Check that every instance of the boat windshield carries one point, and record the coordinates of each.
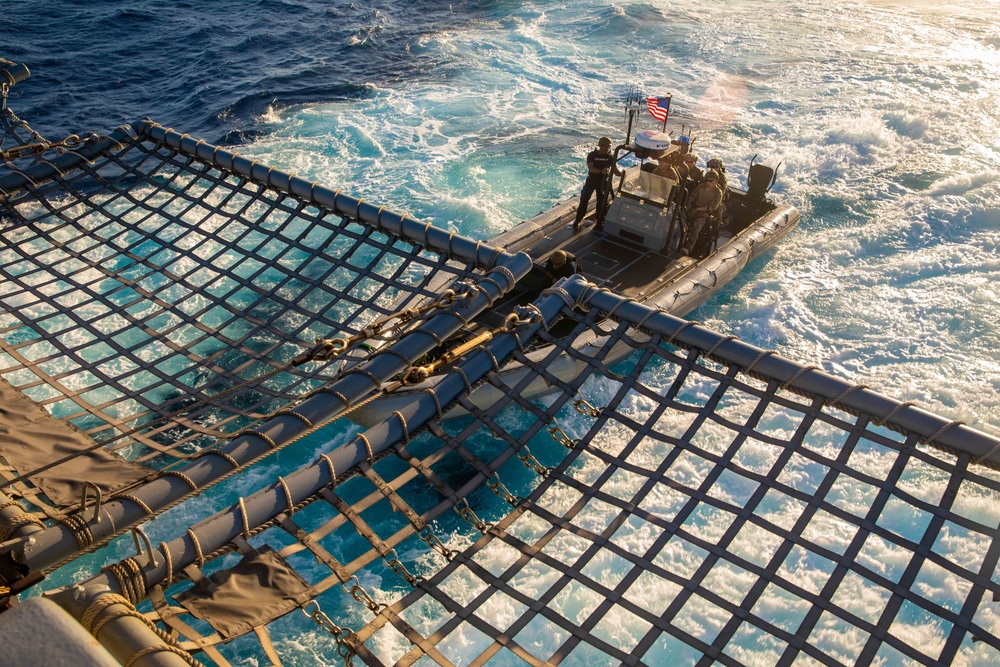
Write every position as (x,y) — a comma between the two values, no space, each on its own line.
(649,186)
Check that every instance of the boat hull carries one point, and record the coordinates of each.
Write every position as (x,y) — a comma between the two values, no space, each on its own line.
(678,297)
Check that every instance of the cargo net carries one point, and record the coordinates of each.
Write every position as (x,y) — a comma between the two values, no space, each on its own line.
(155,302)
(664,507)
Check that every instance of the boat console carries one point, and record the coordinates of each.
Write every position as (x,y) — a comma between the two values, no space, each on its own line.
(643,211)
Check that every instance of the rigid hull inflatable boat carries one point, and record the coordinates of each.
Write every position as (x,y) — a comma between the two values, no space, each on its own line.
(631,243)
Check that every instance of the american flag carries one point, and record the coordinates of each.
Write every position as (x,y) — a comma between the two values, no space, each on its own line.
(658,107)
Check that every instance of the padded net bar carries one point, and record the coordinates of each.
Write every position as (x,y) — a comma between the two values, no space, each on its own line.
(673,506)
(156,289)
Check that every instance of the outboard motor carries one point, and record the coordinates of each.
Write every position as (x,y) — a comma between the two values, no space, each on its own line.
(760,180)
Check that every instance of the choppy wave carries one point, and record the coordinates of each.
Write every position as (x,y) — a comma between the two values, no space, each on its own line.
(883,115)
(881,119)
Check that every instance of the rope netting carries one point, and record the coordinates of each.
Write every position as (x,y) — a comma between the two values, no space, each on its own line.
(678,497)
(155,298)
(697,501)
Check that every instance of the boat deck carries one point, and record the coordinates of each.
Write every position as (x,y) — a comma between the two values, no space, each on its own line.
(612,262)
(609,261)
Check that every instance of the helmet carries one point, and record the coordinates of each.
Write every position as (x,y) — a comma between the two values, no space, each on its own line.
(690,157)
(604,142)
(558,258)
(714,163)
(711,175)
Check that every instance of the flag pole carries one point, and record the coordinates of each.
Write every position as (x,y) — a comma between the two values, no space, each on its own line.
(631,110)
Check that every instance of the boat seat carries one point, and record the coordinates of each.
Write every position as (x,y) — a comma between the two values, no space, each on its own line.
(760,179)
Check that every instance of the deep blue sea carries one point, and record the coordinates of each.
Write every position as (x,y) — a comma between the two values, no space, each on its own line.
(883,115)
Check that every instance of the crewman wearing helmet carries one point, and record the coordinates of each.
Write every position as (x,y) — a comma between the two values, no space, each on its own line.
(600,163)
(693,174)
(704,207)
(561,264)
(665,168)
(716,165)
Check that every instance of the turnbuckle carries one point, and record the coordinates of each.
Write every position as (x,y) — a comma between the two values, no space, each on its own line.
(329,348)
(71,142)
(510,324)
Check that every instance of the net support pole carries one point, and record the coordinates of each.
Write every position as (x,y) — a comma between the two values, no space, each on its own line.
(261,507)
(54,544)
(92,147)
(16,526)
(119,628)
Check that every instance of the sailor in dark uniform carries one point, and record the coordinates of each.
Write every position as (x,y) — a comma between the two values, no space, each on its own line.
(600,163)
(561,264)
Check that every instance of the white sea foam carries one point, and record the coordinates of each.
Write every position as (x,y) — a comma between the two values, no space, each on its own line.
(883,116)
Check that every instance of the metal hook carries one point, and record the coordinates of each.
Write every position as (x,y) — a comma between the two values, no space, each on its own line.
(98,500)
(138,532)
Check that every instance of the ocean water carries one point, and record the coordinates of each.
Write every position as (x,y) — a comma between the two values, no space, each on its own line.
(884,117)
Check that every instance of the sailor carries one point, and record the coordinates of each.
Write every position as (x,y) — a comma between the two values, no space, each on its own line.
(666,169)
(660,190)
(600,163)
(693,174)
(561,264)
(682,169)
(677,161)
(704,206)
(715,164)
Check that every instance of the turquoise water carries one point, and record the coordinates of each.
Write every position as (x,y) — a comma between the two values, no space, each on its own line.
(884,116)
